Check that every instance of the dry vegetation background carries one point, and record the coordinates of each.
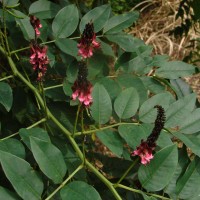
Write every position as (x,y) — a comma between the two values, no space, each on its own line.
(158,19)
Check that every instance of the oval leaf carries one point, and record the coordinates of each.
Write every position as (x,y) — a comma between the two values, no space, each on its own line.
(191,124)
(10,3)
(147,111)
(127,103)
(133,134)
(6,97)
(79,190)
(179,110)
(7,195)
(158,173)
(39,133)
(13,146)
(22,177)
(49,159)
(120,22)
(112,140)
(43,9)
(65,22)
(26,28)
(98,16)
(175,69)
(188,185)
(192,141)
(101,108)
(126,42)
(68,46)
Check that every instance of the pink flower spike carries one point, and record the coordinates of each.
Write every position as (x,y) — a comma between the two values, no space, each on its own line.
(88,42)
(144,152)
(35,22)
(39,60)
(82,92)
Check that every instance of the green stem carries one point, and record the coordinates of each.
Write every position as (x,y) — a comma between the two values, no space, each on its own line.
(103,128)
(62,128)
(25,48)
(2,39)
(64,183)
(87,164)
(52,87)
(5,31)
(140,192)
(43,96)
(82,124)
(76,120)
(126,172)
(18,50)
(7,77)
(52,41)
(29,127)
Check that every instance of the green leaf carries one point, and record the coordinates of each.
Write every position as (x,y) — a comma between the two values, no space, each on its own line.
(56,94)
(179,110)
(182,88)
(65,24)
(147,111)
(127,103)
(106,48)
(25,135)
(72,73)
(156,175)
(153,85)
(49,159)
(43,9)
(112,140)
(125,41)
(7,195)
(175,69)
(68,46)
(6,96)
(98,16)
(22,177)
(13,146)
(26,28)
(188,185)
(191,141)
(180,169)
(133,134)
(98,66)
(135,62)
(101,108)
(164,139)
(10,3)
(191,124)
(79,190)
(111,86)
(128,80)
(120,22)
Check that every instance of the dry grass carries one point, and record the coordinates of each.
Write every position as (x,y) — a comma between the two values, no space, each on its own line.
(156,22)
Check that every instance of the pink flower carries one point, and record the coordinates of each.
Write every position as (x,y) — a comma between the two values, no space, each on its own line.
(88,42)
(39,60)
(82,91)
(144,152)
(35,22)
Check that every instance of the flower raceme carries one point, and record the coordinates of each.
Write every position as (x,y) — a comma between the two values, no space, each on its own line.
(88,41)
(145,149)
(82,88)
(35,22)
(39,60)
